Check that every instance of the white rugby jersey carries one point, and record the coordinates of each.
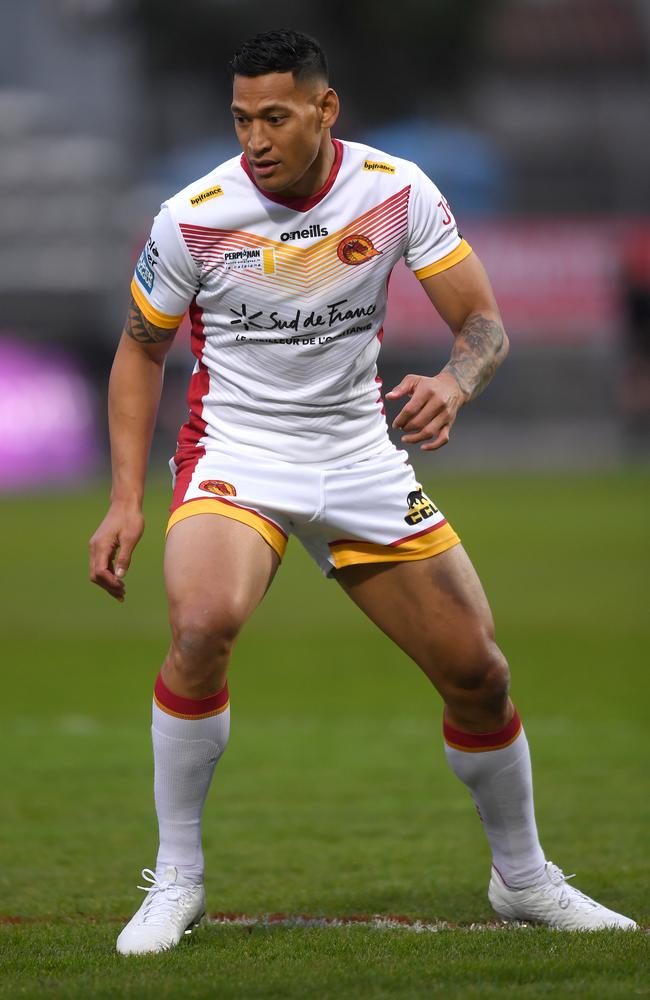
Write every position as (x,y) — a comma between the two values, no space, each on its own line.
(287,297)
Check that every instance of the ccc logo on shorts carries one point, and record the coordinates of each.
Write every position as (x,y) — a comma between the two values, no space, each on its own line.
(218,486)
(420,507)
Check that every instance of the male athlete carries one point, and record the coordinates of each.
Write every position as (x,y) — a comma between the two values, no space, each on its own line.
(282,256)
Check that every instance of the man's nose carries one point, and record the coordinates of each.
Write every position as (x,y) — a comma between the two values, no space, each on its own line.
(258,141)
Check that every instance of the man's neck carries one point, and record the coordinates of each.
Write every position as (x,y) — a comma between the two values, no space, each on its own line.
(315,177)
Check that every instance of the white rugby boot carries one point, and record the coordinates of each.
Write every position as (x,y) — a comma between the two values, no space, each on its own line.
(553,902)
(172,907)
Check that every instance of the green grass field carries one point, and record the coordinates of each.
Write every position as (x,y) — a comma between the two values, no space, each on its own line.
(334,797)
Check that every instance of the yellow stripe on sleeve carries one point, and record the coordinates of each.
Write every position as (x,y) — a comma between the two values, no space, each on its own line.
(457,254)
(160,319)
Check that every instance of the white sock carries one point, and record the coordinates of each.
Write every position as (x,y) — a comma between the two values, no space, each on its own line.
(497,771)
(189,736)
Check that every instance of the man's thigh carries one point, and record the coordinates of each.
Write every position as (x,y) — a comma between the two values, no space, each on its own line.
(217,570)
(435,609)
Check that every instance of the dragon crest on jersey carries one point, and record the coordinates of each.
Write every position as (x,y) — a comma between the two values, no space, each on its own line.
(420,506)
(218,486)
(356,249)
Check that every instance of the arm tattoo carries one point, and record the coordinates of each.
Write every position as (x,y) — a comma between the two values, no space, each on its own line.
(140,329)
(478,350)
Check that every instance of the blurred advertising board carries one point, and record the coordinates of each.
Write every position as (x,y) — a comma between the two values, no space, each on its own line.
(48,427)
(556,282)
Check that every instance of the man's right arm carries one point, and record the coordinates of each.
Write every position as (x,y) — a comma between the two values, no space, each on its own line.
(133,398)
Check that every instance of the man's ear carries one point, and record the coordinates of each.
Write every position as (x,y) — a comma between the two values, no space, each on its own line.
(329,108)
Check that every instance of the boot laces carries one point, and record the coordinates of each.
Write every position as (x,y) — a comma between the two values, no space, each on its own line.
(568,894)
(162,898)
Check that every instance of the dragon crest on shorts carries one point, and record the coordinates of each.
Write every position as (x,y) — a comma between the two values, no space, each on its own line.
(218,486)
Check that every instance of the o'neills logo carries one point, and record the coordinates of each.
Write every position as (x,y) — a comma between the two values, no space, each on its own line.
(213,192)
(356,249)
(218,486)
(305,234)
(376,165)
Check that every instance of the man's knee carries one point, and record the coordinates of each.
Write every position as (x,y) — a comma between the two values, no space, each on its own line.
(480,676)
(202,640)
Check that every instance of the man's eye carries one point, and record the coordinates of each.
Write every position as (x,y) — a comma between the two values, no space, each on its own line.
(275,119)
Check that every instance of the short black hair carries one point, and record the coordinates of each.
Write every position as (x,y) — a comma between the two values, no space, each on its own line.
(283,51)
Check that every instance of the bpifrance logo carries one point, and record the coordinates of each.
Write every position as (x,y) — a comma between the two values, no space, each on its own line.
(212,192)
(218,486)
(356,249)
(377,165)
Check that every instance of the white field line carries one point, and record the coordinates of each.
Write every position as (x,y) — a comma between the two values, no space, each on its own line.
(378,922)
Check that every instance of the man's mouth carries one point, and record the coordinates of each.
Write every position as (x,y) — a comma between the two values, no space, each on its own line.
(265,167)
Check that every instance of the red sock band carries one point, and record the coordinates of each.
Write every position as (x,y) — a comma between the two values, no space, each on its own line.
(481,742)
(189,708)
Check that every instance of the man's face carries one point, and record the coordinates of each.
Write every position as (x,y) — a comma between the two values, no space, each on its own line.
(280,124)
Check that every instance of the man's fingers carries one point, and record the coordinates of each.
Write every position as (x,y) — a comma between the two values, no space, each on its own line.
(102,573)
(110,583)
(424,435)
(101,552)
(430,409)
(403,388)
(127,545)
(435,429)
(419,398)
(105,578)
(439,442)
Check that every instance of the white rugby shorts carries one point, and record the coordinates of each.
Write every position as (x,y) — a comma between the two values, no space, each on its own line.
(371,511)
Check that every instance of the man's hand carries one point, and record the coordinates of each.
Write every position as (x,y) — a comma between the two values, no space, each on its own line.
(111,548)
(431,410)
(463,297)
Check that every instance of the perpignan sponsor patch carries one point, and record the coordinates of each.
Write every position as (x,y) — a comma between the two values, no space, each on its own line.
(250,258)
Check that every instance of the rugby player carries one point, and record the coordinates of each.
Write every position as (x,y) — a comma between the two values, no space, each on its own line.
(282,256)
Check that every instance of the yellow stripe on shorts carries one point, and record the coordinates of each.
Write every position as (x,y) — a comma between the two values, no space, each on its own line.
(271,534)
(420,546)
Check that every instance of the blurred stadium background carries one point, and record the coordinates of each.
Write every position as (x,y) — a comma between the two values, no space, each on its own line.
(531,115)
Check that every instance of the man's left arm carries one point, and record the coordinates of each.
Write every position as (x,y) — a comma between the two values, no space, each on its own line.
(463,296)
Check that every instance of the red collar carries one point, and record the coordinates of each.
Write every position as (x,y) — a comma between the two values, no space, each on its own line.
(301,204)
